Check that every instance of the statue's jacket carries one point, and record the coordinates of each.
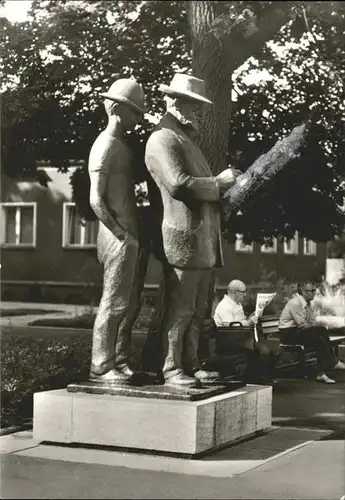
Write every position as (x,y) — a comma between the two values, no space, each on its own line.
(190,197)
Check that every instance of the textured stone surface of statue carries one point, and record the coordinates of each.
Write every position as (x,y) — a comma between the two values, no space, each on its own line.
(112,198)
(190,226)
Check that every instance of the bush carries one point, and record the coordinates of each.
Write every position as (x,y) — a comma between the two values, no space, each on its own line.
(330,300)
(269,282)
(30,365)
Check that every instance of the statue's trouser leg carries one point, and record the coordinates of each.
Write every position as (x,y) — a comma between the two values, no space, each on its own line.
(152,355)
(182,292)
(191,361)
(123,344)
(119,261)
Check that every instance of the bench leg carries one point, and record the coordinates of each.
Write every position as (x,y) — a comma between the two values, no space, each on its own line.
(302,369)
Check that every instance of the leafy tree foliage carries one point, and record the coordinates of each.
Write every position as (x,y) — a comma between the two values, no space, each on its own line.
(304,79)
(55,65)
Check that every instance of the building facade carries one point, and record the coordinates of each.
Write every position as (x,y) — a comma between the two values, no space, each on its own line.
(48,253)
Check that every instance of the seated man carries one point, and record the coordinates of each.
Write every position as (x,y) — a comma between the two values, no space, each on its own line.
(298,324)
(261,356)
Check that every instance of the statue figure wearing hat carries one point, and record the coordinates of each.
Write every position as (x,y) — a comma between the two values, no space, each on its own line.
(190,226)
(112,198)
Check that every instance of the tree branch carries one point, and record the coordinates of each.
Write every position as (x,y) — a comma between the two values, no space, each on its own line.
(246,35)
(264,169)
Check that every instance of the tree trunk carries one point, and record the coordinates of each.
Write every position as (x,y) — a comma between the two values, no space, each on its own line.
(211,64)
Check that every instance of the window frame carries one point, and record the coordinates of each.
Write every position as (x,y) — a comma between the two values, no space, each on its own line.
(73,246)
(270,250)
(249,249)
(18,205)
(296,250)
(313,253)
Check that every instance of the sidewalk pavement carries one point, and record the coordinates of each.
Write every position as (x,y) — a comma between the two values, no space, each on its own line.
(63,310)
(283,464)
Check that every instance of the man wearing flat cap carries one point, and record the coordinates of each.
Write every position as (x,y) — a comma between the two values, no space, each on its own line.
(112,198)
(190,226)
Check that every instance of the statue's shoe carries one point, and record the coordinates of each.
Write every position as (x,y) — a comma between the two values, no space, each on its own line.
(207,377)
(111,377)
(183,381)
(126,370)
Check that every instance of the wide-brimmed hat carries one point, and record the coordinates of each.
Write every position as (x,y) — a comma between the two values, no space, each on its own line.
(187,86)
(127,91)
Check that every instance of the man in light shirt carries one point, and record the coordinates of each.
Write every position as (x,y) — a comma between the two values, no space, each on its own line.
(230,308)
(298,324)
(261,356)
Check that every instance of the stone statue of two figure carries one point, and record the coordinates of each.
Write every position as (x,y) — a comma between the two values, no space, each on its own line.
(190,230)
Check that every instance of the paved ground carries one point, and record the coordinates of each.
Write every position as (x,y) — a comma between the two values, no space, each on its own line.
(307,403)
(310,469)
(64,310)
(42,305)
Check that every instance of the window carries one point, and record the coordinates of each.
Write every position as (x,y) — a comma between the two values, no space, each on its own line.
(242,247)
(77,233)
(270,249)
(291,246)
(18,224)
(309,247)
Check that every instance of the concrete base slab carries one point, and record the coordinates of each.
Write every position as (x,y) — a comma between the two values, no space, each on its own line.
(167,426)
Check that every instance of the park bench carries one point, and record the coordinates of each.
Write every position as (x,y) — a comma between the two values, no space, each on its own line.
(225,354)
(305,356)
(228,358)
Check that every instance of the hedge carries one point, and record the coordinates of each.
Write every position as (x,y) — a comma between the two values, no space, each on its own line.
(30,365)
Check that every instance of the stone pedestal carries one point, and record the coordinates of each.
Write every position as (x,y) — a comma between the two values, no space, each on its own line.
(158,391)
(168,426)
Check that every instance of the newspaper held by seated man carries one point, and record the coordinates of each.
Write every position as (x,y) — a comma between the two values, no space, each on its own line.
(262,301)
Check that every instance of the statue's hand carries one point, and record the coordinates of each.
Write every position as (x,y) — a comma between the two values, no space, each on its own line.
(131,240)
(253,319)
(237,172)
(226,179)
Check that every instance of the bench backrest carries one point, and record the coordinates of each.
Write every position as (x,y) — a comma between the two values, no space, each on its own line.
(269,324)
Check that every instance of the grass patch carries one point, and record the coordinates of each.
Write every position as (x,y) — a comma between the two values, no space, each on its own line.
(24,312)
(30,365)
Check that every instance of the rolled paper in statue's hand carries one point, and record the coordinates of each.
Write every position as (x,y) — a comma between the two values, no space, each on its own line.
(264,169)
